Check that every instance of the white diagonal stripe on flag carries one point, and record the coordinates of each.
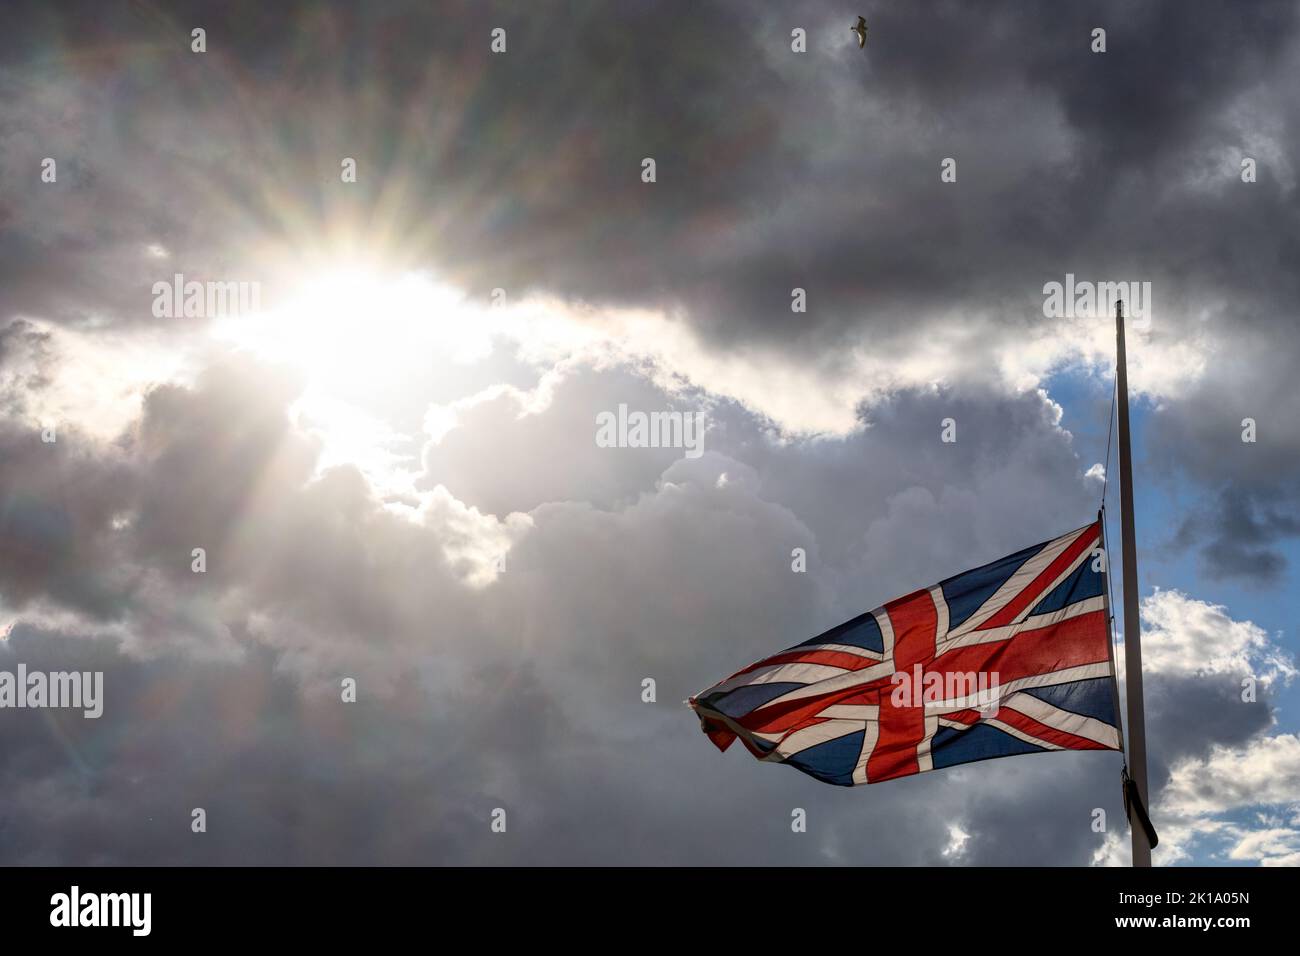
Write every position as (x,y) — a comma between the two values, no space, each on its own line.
(844,649)
(941,614)
(1070,569)
(842,682)
(1020,580)
(812,736)
(1064,720)
(851,711)
(868,745)
(924,760)
(886,632)
(801,673)
(1016,732)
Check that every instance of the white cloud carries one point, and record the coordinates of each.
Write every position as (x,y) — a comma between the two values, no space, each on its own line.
(1197,810)
(957,840)
(1272,847)
(1186,637)
(1264,772)
(95,379)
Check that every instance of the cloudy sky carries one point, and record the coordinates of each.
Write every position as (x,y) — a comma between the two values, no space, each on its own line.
(392,470)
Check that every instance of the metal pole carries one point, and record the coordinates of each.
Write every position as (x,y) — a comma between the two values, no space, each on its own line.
(1136,752)
(1110,618)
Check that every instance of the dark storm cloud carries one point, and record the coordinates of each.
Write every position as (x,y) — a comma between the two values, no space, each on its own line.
(775,170)
(1251,502)
(24,364)
(210,456)
(501,459)
(1220,719)
(1237,534)
(57,502)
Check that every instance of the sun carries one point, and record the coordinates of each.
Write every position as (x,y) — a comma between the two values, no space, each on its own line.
(365,346)
(350,329)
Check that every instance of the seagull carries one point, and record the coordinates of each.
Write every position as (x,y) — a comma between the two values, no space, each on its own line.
(861,30)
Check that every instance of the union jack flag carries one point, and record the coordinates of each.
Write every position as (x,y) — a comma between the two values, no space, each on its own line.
(1011,658)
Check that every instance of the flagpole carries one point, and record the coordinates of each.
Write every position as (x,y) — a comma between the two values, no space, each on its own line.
(1136,752)
(1110,614)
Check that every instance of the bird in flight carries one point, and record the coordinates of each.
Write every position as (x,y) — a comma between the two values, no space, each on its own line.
(860,28)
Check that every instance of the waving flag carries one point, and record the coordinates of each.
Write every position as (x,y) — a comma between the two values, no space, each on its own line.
(1011,658)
